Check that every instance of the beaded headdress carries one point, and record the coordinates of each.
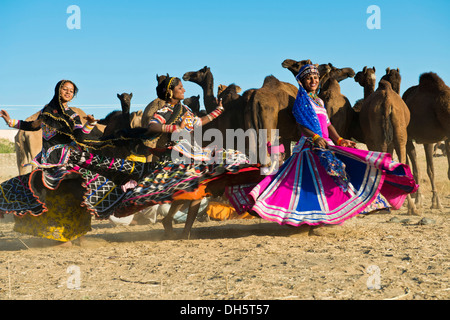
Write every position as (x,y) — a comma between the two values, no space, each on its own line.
(307,70)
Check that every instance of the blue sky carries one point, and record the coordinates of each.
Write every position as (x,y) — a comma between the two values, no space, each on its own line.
(122,45)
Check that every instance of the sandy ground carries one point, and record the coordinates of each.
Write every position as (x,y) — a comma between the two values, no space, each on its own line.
(377,256)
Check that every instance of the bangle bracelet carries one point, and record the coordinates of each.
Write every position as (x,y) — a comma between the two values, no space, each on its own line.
(315,137)
(339,141)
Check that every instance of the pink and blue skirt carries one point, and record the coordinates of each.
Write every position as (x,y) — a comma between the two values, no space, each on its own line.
(304,192)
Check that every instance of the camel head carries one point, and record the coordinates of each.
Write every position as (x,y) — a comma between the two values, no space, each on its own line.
(160,79)
(324,69)
(220,88)
(199,77)
(294,66)
(366,78)
(394,78)
(125,99)
(229,93)
(340,74)
(135,119)
(193,103)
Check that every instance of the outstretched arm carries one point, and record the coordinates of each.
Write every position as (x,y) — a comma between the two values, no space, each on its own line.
(34,125)
(213,115)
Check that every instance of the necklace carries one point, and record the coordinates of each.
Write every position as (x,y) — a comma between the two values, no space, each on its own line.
(315,98)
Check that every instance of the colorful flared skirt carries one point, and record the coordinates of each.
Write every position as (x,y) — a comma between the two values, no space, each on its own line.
(122,187)
(305,191)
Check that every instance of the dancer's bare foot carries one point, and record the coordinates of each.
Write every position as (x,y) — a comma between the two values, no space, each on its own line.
(168,228)
(65,244)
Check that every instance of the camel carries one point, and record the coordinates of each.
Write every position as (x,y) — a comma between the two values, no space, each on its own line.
(27,145)
(429,104)
(120,120)
(366,79)
(295,66)
(193,103)
(338,106)
(270,108)
(384,118)
(204,79)
(232,102)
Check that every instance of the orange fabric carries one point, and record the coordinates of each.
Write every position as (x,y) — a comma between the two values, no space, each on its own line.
(198,194)
(220,211)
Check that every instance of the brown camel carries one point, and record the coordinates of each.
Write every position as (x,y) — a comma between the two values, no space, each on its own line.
(27,145)
(270,108)
(193,103)
(429,104)
(338,106)
(294,66)
(367,79)
(232,102)
(204,79)
(384,118)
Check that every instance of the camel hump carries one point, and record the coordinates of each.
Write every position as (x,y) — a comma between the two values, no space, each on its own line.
(270,81)
(431,80)
(384,85)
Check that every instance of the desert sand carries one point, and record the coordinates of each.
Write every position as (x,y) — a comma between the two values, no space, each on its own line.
(375,256)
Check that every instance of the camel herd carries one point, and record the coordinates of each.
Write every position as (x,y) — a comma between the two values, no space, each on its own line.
(382,119)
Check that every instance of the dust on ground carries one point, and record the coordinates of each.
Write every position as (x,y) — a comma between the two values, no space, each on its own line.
(375,256)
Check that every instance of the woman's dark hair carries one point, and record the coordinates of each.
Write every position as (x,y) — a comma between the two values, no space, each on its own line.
(165,87)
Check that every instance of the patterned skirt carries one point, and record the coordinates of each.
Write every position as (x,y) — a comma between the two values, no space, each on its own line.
(52,213)
(105,186)
(305,191)
(122,187)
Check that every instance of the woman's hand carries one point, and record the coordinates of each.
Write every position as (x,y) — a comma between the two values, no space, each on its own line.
(347,143)
(90,118)
(4,114)
(321,142)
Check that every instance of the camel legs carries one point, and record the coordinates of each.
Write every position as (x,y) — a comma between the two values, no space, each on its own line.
(400,148)
(435,203)
(411,151)
(447,152)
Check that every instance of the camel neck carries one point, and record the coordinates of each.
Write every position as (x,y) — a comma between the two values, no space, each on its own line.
(368,90)
(208,93)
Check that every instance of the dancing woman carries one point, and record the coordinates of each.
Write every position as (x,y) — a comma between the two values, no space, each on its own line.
(28,196)
(184,172)
(327,180)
